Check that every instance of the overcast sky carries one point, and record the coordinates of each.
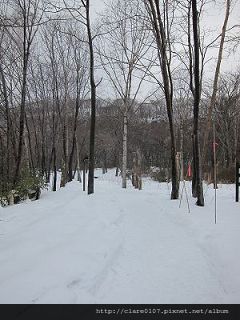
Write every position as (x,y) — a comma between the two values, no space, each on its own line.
(213,19)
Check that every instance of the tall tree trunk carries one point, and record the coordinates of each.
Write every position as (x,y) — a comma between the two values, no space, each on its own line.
(54,151)
(194,170)
(124,153)
(21,129)
(215,82)
(28,147)
(54,186)
(43,160)
(79,178)
(65,152)
(3,180)
(26,53)
(196,147)
(74,142)
(6,102)
(48,175)
(93,105)
(161,40)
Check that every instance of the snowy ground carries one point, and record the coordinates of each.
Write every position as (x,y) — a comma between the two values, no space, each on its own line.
(120,246)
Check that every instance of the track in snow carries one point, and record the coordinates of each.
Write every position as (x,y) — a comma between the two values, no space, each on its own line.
(116,246)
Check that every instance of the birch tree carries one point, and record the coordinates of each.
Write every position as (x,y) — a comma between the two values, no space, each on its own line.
(123,49)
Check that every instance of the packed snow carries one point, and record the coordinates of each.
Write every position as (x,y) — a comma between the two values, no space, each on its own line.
(121,246)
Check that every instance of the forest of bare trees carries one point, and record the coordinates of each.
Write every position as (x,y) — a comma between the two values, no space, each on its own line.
(128,89)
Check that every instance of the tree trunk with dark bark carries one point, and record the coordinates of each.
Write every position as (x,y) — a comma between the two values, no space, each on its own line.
(22,120)
(93,105)
(197,187)
(161,39)
(74,142)
(6,102)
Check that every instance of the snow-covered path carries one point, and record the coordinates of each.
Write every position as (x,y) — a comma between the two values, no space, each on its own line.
(120,246)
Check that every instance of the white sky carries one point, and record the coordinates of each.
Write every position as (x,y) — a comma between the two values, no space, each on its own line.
(213,19)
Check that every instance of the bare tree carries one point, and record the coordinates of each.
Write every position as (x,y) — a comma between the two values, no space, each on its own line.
(4,91)
(124,55)
(216,78)
(26,25)
(162,36)
(82,14)
(81,83)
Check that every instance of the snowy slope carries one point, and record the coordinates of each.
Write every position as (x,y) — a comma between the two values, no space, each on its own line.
(120,246)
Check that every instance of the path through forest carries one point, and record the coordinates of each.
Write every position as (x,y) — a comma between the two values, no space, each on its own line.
(120,246)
